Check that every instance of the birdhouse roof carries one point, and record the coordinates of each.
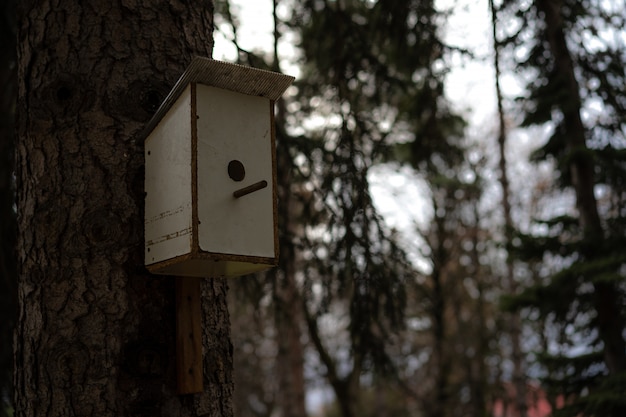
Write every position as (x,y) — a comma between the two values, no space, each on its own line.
(233,77)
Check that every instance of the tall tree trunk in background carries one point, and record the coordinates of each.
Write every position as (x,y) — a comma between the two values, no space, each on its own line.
(288,317)
(581,166)
(290,355)
(513,318)
(288,305)
(442,365)
(96,331)
(286,295)
(478,372)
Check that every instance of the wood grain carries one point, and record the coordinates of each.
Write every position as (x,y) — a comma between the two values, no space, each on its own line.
(188,335)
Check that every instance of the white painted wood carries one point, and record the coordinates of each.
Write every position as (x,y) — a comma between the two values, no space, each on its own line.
(234,126)
(168,184)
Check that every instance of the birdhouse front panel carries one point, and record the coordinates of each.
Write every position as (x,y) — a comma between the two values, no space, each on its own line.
(236,200)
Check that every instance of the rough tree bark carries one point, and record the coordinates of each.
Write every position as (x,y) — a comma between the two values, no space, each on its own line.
(7,214)
(96,332)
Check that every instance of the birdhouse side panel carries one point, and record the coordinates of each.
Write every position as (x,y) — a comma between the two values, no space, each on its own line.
(235,158)
(168,204)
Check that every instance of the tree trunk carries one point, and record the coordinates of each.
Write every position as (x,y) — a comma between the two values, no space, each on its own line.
(513,318)
(290,355)
(607,304)
(287,300)
(442,364)
(8,272)
(479,374)
(96,331)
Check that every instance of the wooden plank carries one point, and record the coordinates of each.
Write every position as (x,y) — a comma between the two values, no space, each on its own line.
(189,369)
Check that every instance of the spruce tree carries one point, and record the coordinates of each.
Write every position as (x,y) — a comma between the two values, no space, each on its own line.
(576,88)
(371,72)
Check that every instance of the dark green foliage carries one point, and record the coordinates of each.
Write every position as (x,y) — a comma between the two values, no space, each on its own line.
(579,80)
(381,400)
(383,57)
(567,300)
(573,375)
(360,60)
(607,399)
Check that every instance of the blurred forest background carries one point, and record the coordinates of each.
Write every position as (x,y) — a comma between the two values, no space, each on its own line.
(429,267)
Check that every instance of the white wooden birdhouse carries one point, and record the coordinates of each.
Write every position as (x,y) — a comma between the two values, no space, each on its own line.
(210,207)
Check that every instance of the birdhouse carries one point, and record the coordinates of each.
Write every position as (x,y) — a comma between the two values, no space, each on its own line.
(210,173)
